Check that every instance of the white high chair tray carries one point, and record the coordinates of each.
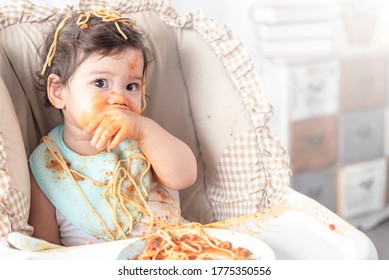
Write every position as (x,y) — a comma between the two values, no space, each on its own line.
(299,228)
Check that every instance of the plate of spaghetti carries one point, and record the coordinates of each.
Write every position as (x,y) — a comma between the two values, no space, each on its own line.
(197,243)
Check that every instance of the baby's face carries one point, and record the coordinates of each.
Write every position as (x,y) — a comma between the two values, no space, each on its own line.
(105,82)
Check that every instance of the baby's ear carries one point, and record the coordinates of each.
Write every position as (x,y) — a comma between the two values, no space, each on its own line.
(55,91)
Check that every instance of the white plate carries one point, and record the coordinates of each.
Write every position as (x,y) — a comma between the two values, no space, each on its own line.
(259,249)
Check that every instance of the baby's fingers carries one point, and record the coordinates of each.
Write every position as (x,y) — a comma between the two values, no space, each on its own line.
(104,132)
(119,137)
(107,135)
(92,126)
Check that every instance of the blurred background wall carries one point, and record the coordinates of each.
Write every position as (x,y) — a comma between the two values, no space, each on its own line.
(324,65)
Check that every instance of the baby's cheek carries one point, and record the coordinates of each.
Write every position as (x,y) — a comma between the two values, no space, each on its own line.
(86,118)
(90,111)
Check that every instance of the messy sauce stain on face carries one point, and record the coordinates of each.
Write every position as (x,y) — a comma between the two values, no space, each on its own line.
(98,105)
(133,65)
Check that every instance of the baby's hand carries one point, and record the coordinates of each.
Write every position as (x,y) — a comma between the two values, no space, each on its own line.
(113,125)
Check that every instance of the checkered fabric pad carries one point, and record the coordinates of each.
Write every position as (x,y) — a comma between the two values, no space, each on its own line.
(14,206)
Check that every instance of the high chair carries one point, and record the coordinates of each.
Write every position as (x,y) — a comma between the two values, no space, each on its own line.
(203,89)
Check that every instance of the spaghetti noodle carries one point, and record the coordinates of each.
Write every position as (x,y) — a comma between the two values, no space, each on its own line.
(113,195)
(82,22)
(165,244)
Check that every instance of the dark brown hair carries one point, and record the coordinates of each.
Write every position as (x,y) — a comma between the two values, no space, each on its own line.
(75,44)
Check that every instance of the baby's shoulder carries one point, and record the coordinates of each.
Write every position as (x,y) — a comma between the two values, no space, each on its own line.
(39,153)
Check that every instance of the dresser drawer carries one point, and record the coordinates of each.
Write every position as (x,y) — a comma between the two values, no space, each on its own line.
(364,82)
(314,89)
(361,136)
(361,188)
(313,143)
(319,185)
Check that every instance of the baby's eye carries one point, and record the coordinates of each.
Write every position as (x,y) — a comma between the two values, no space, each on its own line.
(132,87)
(101,83)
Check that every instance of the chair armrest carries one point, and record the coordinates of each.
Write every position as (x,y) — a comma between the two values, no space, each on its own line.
(301,228)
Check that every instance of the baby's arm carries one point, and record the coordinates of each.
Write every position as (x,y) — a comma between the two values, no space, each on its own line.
(42,215)
(172,160)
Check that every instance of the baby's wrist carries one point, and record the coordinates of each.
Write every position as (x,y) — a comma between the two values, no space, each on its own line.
(140,134)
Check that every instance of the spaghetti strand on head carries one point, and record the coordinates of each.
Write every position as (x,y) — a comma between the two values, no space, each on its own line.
(82,22)
(53,47)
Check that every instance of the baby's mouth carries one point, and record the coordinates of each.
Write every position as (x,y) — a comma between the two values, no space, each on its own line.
(119,106)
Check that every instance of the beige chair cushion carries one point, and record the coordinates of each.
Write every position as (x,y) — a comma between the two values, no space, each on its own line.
(15,192)
(203,89)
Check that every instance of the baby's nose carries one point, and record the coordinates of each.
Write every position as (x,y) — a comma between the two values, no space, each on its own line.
(117,98)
